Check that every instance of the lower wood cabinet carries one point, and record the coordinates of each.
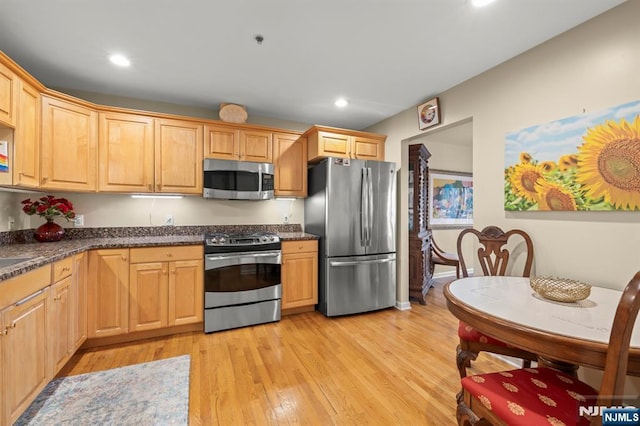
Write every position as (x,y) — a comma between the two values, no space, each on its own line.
(24,341)
(108,293)
(80,275)
(62,314)
(165,287)
(299,275)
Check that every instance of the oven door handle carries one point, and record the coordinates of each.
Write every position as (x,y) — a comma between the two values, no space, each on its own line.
(221,260)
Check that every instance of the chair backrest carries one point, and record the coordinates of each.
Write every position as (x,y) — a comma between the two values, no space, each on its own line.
(616,363)
(493,252)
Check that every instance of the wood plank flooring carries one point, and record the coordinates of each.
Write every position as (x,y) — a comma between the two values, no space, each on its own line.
(382,368)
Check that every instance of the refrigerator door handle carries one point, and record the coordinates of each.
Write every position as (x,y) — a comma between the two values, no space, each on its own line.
(370,210)
(360,262)
(363,208)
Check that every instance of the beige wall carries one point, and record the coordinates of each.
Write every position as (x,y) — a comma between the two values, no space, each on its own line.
(591,67)
(121,210)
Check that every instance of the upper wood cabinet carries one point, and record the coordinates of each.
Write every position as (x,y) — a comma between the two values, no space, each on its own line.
(332,142)
(26,140)
(234,143)
(125,153)
(69,142)
(290,161)
(8,96)
(178,156)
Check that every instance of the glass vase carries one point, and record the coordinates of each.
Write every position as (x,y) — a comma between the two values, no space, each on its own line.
(48,232)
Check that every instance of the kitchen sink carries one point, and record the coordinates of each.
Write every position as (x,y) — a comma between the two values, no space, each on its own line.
(8,261)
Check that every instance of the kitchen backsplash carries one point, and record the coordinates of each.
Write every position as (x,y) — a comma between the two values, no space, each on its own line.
(120,210)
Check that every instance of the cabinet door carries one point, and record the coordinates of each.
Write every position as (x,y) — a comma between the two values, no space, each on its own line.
(222,142)
(186,292)
(256,145)
(367,148)
(299,274)
(108,293)
(290,161)
(334,145)
(69,141)
(25,365)
(148,296)
(26,162)
(8,99)
(178,156)
(125,153)
(62,317)
(80,271)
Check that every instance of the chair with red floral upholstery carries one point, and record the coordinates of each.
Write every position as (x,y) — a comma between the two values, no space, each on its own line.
(497,251)
(537,396)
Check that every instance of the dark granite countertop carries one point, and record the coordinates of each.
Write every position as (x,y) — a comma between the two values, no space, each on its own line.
(45,253)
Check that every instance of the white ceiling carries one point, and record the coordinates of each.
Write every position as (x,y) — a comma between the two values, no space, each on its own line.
(384,56)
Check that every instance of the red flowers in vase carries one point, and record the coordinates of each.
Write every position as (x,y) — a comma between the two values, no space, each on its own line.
(49,207)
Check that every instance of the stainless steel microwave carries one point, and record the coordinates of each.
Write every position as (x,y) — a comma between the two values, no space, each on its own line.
(237,180)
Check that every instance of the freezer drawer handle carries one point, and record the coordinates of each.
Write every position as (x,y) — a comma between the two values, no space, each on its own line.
(361,262)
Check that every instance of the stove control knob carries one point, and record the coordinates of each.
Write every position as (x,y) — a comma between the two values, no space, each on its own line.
(222,240)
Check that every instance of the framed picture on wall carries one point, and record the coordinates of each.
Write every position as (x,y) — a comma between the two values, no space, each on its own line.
(428,114)
(450,199)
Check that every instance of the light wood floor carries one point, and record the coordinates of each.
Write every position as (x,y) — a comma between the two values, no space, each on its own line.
(383,368)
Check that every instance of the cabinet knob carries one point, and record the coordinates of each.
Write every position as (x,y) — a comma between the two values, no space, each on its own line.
(57,298)
(66,268)
(44,180)
(124,258)
(4,332)
(169,255)
(150,187)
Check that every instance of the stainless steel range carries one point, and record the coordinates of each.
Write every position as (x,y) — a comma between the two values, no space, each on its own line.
(241,280)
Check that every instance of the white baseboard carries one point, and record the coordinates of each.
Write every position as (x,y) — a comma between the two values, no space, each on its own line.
(447,274)
(403,306)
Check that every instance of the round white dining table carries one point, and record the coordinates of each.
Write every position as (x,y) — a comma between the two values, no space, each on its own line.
(562,334)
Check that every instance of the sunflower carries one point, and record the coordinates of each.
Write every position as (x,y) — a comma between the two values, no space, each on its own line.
(525,157)
(548,166)
(554,196)
(524,179)
(567,161)
(609,163)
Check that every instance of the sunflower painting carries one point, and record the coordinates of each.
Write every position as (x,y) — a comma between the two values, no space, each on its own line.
(586,162)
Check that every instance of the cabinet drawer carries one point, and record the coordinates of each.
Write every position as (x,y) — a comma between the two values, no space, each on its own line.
(165,254)
(62,269)
(17,288)
(299,246)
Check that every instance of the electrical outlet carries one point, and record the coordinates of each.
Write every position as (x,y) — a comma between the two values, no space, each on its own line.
(286,219)
(168,220)
(12,222)
(78,220)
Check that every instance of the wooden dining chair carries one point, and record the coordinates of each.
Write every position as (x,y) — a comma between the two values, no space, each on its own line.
(494,257)
(441,257)
(537,396)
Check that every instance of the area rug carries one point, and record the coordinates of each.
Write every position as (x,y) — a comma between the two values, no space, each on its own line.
(152,393)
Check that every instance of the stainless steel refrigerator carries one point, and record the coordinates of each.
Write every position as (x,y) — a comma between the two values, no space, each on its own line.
(351,205)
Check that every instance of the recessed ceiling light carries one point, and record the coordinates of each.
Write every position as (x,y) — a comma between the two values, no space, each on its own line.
(481,3)
(341,103)
(120,60)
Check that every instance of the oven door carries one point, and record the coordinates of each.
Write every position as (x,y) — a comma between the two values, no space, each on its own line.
(240,278)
